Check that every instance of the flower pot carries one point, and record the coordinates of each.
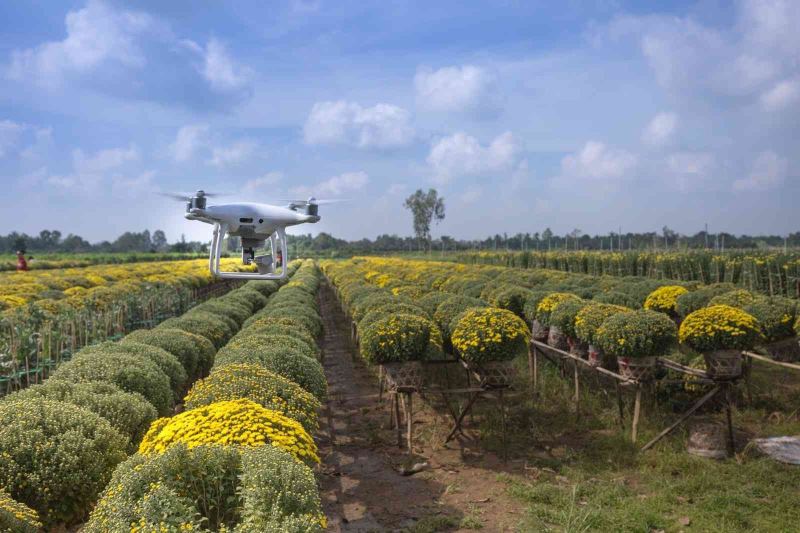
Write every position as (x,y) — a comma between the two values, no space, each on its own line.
(708,439)
(786,350)
(407,375)
(723,364)
(637,368)
(539,332)
(557,339)
(494,373)
(594,355)
(578,348)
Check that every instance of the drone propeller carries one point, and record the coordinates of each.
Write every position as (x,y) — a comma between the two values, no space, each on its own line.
(183,197)
(314,201)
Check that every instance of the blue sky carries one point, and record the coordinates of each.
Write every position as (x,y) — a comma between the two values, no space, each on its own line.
(579,114)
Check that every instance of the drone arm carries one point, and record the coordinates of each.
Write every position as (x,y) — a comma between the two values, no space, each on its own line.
(216,249)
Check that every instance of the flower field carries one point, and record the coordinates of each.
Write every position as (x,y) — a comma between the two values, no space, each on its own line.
(49,261)
(237,459)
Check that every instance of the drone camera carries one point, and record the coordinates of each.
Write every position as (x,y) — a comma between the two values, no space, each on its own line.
(312,209)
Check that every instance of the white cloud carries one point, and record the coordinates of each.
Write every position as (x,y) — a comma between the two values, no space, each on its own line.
(90,171)
(782,95)
(397,188)
(233,154)
(461,154)
(95,34)
(267,181)
(10,133)
(188,140)
(596,161)
(769,171)
(218,68)
(690,169)
(341,122)
(464,88)
(334,186)
(660,129)
(471,194)
(125,187)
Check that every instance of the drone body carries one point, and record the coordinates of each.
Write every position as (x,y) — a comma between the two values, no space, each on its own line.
(255,224)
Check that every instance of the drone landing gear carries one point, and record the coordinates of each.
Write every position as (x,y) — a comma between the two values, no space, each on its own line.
(264,263)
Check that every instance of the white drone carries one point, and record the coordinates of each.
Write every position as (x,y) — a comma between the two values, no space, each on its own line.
(255,224)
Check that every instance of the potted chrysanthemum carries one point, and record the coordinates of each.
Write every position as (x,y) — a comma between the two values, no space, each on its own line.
(636,339)
(555,337)
(720,333)
(398,343)
(664,300)
(563,317)
(588,321)
(488,339)
(776,318)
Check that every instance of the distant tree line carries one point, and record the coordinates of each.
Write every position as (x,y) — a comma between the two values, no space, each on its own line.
(130,241)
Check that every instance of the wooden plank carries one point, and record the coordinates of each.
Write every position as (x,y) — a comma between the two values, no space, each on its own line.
(771,361)
(683,417)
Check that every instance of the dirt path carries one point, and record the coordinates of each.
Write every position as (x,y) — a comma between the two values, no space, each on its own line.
(362,488)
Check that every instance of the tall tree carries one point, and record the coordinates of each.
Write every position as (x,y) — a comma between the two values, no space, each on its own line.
(425,207)
(159,241)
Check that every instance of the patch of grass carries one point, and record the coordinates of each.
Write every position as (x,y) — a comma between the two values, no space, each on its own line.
(434,523)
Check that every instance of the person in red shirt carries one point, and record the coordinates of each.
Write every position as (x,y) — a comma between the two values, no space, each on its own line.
(22,265)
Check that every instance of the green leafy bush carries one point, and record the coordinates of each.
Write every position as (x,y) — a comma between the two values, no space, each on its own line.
(532,303)
(395,338)
(294,330)
(230,308)
(694,300)
(563,316)
(128,412)
(309,317)
(56,457)
(291,323)
(194,352)
(246,297)
(291,364)
(256,383)
(16,517)
(591,317)
(719,327)
(641,333)
(389,309)
(617,298)
(211,488)
(431,301)
(511,297)
(375,300)
(281,341)
(451,309)
(490,334)
(129,372)
(265,287)
(548,304)
(206,325)
(231,324)
(167,362)
(738,298)
(775,317)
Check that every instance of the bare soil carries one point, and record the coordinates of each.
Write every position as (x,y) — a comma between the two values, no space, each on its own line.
(362,486)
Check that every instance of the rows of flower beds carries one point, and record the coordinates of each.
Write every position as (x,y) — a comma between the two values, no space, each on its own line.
(60,260)
(236,458)
(622,323)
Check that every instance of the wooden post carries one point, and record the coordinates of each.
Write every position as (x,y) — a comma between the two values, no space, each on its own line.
(637,408)
(731,442)
(503,424)
(620,405)
(397,401)
(532,367)
(683,417)
(410,423)
(577,397)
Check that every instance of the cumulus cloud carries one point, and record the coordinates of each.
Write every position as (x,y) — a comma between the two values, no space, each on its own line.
(96,34)
(89,171)
(267,181)
(769,171)
(456,88)
(218,68)
(131,187)
(782,95)
(348,123)
(233,154)
(10,133)
(690,169)
(596,161)
(660,129)
(334,186)
(461,154)
(471,194)
(188,140)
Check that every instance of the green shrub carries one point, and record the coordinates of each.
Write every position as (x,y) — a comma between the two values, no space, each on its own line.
(431,301)
(719,327)
(395,338)
(532,302)
(563,316)
(308,316)
(389,309)
(548,304)
(365,305)
(663,299)
(291,364)
(293,323)
(230,308)
(293,294)
(450,309)
(129,372)
(694,300)
(194,352)
(250,299)
(56,457)
(591,317)
(490,334)
(641,333)
(127,412)
(206,325)
(256,383)
(775,317)
(230,323)
(617,298)
(511,297)
(17,517)
(265,287)
(738,298)
(167,362)
(294,330)
(213,488)
(281,342)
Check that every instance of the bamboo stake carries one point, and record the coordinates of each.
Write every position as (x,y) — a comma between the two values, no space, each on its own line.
(637,407)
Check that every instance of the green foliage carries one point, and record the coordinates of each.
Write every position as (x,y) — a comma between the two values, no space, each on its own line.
(270,327)
(129,372)
(563,316)
(548,304)
(490,334)
(738,298)
(274,341)
(694,300)
(591,317)
(395,338)
(617,298)
(291,364)
(776,317)
(641,333)
(129,413)
(16,517)
(211,488)
(56,457)
(431,301)
(207,325)
(451,309)
(719,327)
(265,287)
(385,310)
(194,352)
(309,317)
(532,303)
(229,308)
(511,297)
